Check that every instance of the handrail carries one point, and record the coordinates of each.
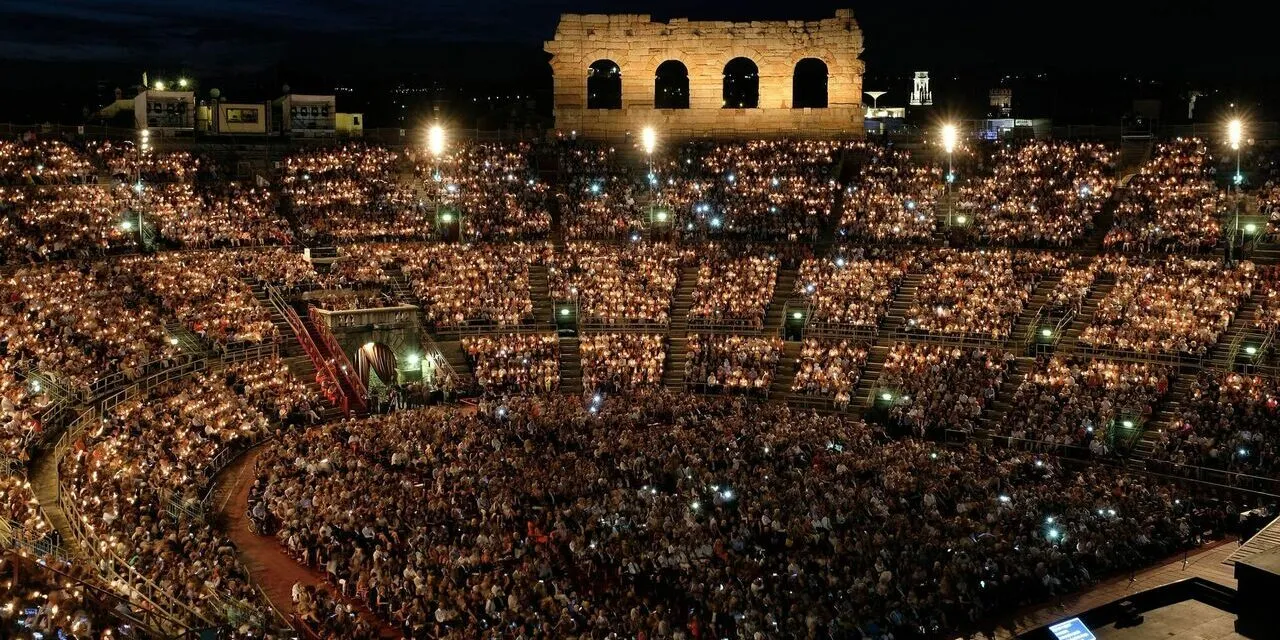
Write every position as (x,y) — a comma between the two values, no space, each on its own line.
(322,364)
(1232,479)
(344,364)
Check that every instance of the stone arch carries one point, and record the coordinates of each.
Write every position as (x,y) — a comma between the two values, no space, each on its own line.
(671,85)
(604,85)
(741,85)
(809,84)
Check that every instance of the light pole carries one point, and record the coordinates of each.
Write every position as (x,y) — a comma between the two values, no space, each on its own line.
(1235,133)
(435,144)
(649,140)
(949,143)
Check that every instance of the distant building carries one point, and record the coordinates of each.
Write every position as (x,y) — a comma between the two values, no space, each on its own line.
(308,116)
(165,113)
(921,96)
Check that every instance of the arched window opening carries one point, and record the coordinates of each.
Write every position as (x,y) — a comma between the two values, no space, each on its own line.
(604,85)
(809,84)
(671,86)
(741,84)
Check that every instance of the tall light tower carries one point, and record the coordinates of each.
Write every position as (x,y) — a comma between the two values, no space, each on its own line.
(435,144)
(1235,134)
(649,140)
(949,143)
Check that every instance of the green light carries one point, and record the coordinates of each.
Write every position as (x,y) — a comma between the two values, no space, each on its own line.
(564,312)
(1251,350)
(1128,424)
(446,218)
(886,396)
(961,219)
(1048,333)
(662,216)
(797,315)
(1250,228)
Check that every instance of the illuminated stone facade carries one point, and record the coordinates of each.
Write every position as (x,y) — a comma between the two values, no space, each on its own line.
(638,45)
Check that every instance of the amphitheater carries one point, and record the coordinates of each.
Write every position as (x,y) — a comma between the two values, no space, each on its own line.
(561,389)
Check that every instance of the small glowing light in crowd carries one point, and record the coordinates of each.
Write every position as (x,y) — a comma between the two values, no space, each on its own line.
(911,205)
(839,262)
(732,178)
(886,396)
(1053,534)
(138,187)
(961,219)
(502,412)
(689,226)
(1048,333)
(159,85)
(446,217)
(1251,228)
(934,455)
(1177,501)
(951,176)
(595,188)
(775,182)
(173,340)
(564,311)
(662,216)
(1128,424)
(797,315)
(413,359)
(1111,512)
(35,386)
(1049,520)
(146,133)
(1004,498)
(183,82)
(696,505)
(1243,452)
(597,399)
(435,140)
(126,225)
(715,222)
(727,494)
(635,237)
(1039,463)
(1251,350)
(649,138)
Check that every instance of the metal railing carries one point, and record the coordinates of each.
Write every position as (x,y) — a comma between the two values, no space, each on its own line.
(1210,475)
(347,371)
(321,363)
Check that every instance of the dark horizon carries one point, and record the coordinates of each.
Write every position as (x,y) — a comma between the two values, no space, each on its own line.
(55,54)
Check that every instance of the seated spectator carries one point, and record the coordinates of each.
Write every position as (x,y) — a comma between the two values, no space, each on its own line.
(940,387)
(621,361)
(727,363)
(830,368)
(1171,204)
(617,284)
(515,362)
(734,289)
(851,290)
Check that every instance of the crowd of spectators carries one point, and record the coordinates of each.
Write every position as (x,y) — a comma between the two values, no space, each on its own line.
(1043,193)
(205,291)
(930,387)
(1084,402)
(619,362)
(1069,294)
(1172,204)
(601,199)
(132,477)
(494,187)
(1227,421)
(352,193)
(830,369)
(515,362)
(893,196)
(46,597)
(853,290)
(977,292)
(1178,305)
(721,363)
(674,516)
(734,288)
(633,282)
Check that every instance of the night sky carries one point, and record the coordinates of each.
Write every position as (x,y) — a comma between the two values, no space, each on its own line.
(279,39)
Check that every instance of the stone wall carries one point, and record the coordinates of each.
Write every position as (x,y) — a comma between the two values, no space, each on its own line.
(638,45)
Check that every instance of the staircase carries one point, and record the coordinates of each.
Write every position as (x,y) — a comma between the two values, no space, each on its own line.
(896,318)
(1164,416)
(683,301)
(288,347)
(1039,296)
(456,356)
(1265,540)
(1070,338)
(540,294)
(776,313)
(995,412)
(785,373)
(570,366)
(870,375)
(400,285)
(357,398)
(1239,336)
(677,357)
(304,370)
